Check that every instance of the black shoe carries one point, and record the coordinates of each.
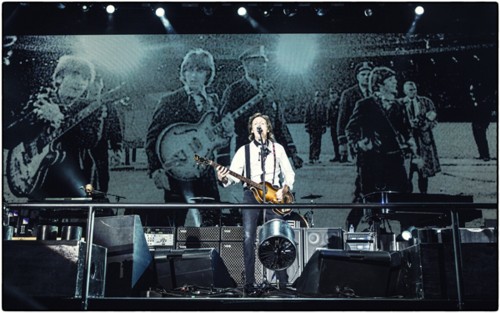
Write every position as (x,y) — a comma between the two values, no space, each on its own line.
(311,161)
(335,159)
(343,159)
(250,289)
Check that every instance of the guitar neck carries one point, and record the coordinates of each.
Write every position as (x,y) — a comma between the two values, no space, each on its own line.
(236,175)
(80,116)
(242,109)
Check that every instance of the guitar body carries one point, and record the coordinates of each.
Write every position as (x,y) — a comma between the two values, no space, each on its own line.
(258,193)
(256,189)
(177,143)
(26,170)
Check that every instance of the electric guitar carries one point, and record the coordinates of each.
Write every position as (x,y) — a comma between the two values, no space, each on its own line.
(256,188)
(178,142)
(28,162)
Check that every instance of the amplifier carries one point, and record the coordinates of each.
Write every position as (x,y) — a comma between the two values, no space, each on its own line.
(232,233)
(198,233)
(362,241)
(198,245)
(159,236)
(469,235)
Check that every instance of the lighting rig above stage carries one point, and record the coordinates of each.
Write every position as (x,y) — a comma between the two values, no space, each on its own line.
(73,18)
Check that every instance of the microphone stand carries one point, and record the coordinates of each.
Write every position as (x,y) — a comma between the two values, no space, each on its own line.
(263,156)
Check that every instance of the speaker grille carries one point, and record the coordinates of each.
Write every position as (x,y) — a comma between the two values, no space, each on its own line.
(196,245)
(331,238)
(231,253)
(232,233)
(198,233)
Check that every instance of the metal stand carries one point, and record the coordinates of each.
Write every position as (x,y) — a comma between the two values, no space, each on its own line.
(88,257)
(263,156)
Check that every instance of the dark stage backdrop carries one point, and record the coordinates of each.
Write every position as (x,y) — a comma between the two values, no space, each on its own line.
(146,67)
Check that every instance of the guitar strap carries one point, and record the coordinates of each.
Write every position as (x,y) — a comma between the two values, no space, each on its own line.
(247,161)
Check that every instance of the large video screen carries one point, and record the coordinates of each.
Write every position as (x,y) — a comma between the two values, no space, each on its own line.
(131,74)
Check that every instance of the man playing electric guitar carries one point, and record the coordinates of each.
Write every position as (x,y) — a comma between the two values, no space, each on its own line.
(262,160)
(188,104)
(58,126)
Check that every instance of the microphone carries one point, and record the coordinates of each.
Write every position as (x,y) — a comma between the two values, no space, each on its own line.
(259,129)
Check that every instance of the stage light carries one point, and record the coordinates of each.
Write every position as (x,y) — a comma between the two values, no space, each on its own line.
(61,6)
(419,10)
(86,7)
(160,12)
(110,9)
(368,12)
(476,58)
(242,11)
(320,11)
(407,233)
(208,10)
(290,12)
(266,12)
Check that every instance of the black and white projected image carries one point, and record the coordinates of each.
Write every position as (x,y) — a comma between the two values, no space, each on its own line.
(83,109)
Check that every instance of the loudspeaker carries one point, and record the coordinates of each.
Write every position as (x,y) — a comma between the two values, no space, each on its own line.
(198,233)
(198,267)
(297,266)
(332,272)
(128,253)
(52,268)
(331,238)
(231,253)
(428,271)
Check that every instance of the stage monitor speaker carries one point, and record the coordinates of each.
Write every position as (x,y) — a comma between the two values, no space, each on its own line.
(196,267)
(428,271)
(330,238)
(297,266)
(231,253)
(51,268)
(333,272)
(129,257)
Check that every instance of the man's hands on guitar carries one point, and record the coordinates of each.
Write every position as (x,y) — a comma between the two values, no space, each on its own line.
(222,174)
(160,179)
(48,111)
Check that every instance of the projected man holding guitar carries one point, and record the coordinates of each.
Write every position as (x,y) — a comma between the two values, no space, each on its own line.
(261,160)
(58,126)
(182,125)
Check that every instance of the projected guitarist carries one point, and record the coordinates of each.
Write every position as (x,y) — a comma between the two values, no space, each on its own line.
(173,133)
(57,128)
(262,159)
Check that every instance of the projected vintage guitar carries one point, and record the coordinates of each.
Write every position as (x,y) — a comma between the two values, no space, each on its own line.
(256,188)
(28,162)
(178,142)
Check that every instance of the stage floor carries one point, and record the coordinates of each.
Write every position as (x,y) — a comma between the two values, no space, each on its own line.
(234,299)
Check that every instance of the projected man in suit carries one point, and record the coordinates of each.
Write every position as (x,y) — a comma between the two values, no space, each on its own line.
(254,86)
(188,104)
